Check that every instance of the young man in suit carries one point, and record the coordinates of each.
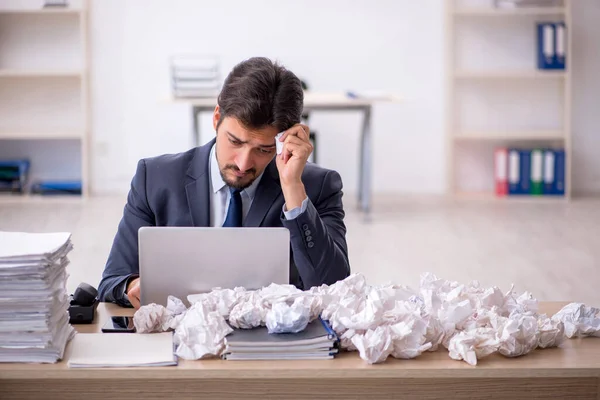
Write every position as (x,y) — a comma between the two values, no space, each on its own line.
(238,179)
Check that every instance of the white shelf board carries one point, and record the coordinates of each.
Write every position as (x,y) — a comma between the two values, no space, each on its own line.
(54,135)
(509,135)
(507,12)
(491,197)
(15,198)
(534,74)
(40,11)
(40,73)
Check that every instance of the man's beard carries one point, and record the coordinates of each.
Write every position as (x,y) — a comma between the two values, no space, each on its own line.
(238,183)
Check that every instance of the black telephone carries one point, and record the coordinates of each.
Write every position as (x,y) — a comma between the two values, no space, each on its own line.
(83,304)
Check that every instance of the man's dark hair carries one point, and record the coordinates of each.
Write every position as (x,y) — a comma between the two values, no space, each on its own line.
(259,93)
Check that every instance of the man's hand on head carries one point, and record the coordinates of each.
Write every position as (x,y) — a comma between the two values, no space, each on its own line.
(133,293)
(291,162)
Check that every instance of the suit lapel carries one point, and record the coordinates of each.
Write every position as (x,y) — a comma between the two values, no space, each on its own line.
(198,187)
(268,190)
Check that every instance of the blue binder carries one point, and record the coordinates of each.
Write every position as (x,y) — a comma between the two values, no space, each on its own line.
(546,45)
(559,172)
(519,181)
(525,172)
(560,32)
(57,187)
(549,175)
(514,171)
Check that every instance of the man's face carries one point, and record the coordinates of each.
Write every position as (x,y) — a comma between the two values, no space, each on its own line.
(242,153)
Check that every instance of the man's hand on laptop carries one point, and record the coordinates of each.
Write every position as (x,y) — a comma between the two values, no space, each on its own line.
(290,163)
(133,293)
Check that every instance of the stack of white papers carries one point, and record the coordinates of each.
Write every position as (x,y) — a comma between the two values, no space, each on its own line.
(99,350)
(34,305)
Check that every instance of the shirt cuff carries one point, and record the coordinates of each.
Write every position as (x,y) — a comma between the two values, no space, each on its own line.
(294,213)
(122,289)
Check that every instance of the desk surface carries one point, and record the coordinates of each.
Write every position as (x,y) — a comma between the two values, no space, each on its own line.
(569,372)
(311,100)
(575,357)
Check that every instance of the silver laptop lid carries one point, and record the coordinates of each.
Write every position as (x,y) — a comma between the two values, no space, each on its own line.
(180,261)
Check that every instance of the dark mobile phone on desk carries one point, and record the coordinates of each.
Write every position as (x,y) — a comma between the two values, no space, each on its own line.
(119,324)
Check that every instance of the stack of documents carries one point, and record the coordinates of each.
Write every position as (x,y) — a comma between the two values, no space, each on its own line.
(100,350)
(195,76)
(34,305)
(316,342)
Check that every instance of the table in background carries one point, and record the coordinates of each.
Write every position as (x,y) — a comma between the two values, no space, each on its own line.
(569,372)
(314,101)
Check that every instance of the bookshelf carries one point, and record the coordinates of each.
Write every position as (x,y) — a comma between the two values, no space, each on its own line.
(44,91)
(496,96)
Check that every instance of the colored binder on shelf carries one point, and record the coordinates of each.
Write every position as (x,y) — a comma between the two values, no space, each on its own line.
(501,171)
(13,175)
(548,179)
(525,172)
(561,50)
(559,172)
(57,187)
(536,172)
(514,170)
(546,57)
(519,172)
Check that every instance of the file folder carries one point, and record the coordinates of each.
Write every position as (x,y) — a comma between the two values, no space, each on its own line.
(546,45)
(519,172)
(501,171)
(549,174)
(525,172)
(57,187)
(560,54)
(537,165)
(514,170)
(559,172)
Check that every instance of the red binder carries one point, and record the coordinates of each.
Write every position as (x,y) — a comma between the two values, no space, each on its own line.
(501,171)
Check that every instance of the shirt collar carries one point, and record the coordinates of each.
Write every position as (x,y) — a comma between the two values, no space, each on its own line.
(217,181)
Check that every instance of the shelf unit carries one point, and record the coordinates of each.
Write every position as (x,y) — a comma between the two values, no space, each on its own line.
(497,97)
(44,91)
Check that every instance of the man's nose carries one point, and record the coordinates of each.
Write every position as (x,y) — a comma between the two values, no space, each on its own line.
(244,160)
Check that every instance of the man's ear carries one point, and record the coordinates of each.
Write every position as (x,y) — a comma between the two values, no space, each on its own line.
(216,118)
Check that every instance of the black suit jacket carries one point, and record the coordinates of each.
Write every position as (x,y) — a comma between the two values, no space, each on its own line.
(174,190)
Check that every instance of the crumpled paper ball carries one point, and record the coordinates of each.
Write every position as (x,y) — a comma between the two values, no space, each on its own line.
(157,318)
(200,333)
(518,334)
(473,345)
(552,332)
(579,320)
(283,318)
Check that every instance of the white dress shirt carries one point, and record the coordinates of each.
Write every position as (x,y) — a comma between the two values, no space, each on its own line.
(220,196)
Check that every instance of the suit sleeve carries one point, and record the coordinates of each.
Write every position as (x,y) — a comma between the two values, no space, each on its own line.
(318,236)
(123,260)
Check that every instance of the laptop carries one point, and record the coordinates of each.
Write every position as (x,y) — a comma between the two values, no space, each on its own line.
(180,261)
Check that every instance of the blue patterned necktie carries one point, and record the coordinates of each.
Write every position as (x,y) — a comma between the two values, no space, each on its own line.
(234,211)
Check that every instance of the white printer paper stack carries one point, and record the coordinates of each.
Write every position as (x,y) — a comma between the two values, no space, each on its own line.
(34,317)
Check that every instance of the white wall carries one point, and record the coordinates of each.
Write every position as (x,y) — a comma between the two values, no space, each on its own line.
(336,45)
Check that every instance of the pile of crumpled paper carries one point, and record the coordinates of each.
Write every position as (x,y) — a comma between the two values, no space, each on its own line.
(470,321)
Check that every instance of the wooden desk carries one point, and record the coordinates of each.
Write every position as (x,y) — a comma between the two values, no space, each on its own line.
(315,101)
(569,372)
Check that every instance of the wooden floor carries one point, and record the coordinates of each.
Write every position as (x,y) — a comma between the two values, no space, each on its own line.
(551,249)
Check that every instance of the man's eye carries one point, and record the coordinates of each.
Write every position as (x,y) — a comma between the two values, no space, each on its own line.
(265,151)
(235,142)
